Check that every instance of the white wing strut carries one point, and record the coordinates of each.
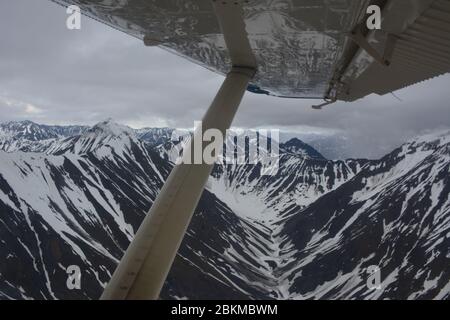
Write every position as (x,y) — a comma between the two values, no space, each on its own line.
(143,269)
(146,263)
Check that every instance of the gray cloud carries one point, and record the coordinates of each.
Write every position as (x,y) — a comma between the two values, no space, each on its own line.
(52,75)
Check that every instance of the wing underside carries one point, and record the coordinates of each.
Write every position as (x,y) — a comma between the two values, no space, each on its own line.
(302,48)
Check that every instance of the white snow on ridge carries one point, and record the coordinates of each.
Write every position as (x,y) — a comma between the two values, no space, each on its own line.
(260,250)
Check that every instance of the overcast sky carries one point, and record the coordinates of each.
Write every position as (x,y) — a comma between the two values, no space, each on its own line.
(52,75)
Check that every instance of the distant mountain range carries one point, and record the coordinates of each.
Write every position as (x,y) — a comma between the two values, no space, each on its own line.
(75,195)
(28,136)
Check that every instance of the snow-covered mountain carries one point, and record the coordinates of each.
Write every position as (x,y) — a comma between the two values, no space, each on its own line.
(394,214)
(298,147)
(81,207)
(28,136)
(155,136)
(331,145)
(310,231)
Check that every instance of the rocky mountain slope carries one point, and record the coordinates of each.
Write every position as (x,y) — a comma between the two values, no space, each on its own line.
(310,231)
(394,214)
(28,136)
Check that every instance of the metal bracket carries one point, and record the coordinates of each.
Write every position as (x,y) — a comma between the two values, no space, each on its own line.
(326,103)
(389,48)
(357,36)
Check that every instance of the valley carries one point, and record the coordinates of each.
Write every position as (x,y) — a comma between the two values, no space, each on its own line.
(77,196)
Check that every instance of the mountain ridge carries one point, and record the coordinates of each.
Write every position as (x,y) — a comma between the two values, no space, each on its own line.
(309,231)
(12,138)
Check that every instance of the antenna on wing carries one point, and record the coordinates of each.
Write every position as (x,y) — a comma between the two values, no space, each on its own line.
(327,102)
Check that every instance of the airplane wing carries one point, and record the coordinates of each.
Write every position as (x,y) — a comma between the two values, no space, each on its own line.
(302,47)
